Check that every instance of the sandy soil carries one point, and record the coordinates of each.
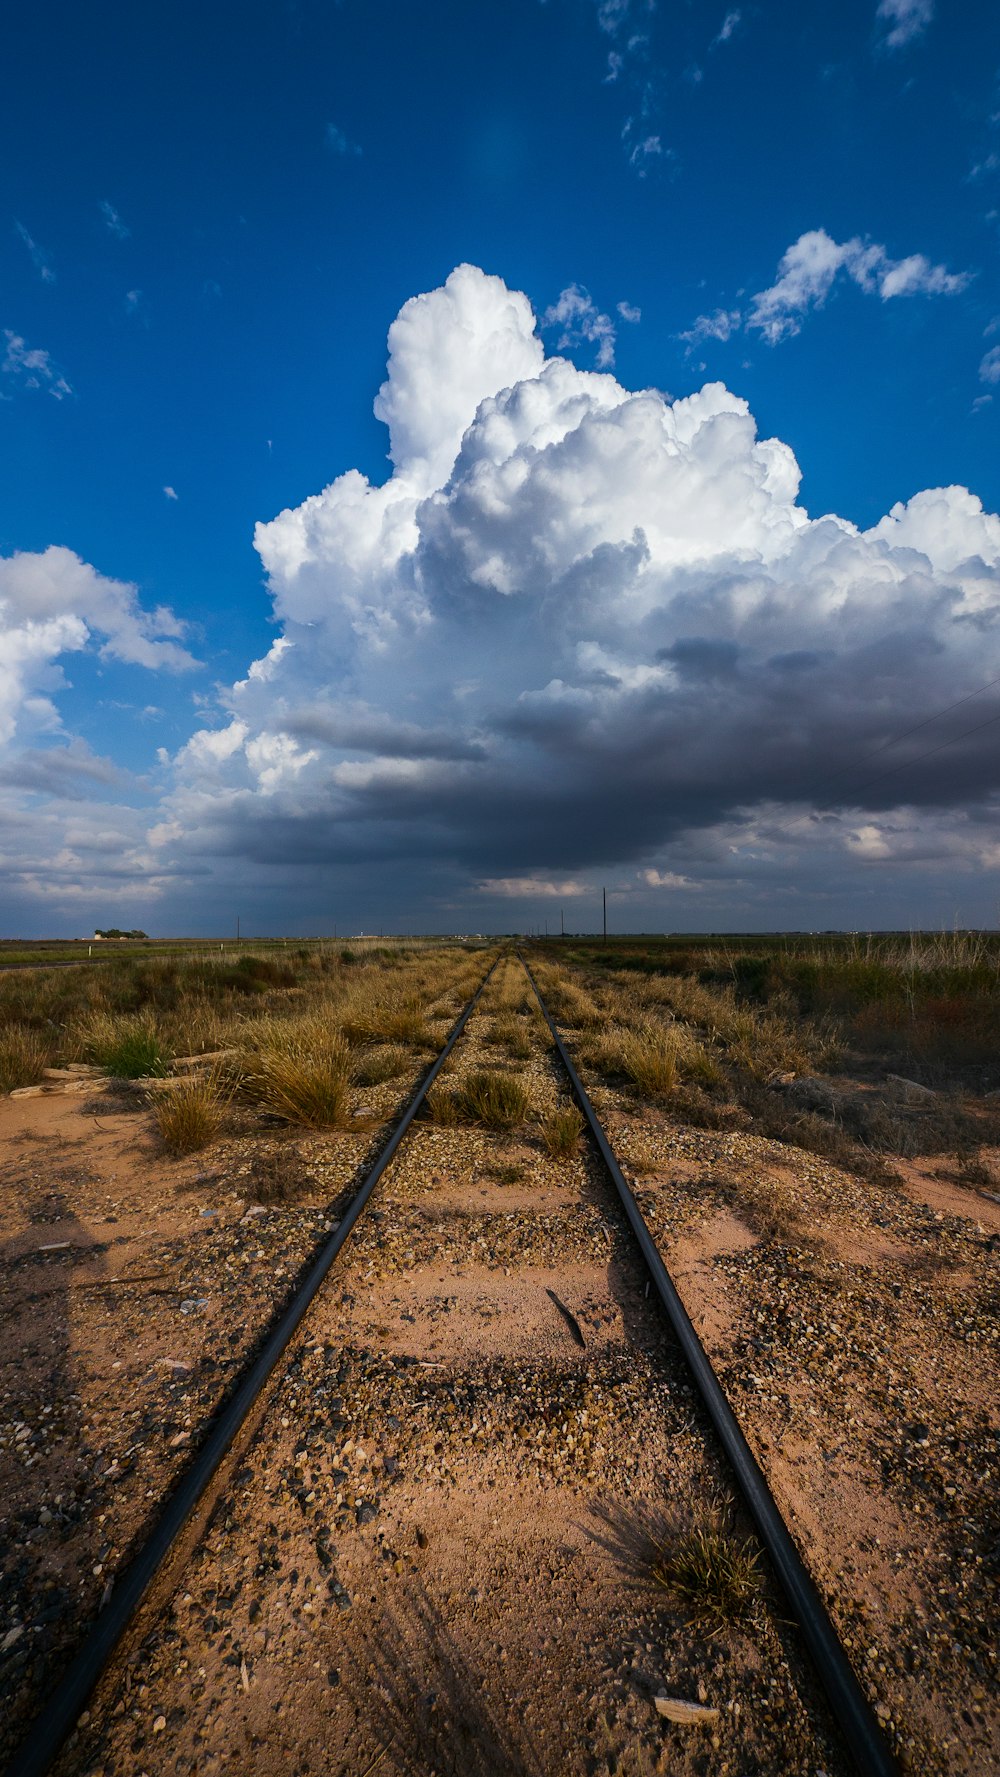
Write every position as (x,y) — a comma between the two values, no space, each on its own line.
(434,1555)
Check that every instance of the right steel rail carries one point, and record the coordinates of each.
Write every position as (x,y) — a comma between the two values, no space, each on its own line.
(852,1711)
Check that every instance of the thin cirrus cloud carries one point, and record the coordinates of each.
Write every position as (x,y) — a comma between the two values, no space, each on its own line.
(38,256)
(112,221)
(338,142)
(806,275)
(584,629)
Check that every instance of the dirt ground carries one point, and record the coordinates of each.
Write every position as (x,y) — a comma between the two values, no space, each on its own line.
(435,1553)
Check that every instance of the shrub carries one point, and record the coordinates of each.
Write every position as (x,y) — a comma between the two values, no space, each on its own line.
(23,1055)
(128,1045)
(561,1132)
(500,1101)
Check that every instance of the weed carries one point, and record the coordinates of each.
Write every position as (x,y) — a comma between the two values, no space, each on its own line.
(23,1055)
(974,1170)
(508,1175)
(276,1175)
(500,1101)
(713,1574)
(561,1132)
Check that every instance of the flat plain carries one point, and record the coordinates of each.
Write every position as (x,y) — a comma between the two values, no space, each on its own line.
(459,1535)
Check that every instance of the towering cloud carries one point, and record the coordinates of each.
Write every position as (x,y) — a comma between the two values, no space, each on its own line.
(582,625)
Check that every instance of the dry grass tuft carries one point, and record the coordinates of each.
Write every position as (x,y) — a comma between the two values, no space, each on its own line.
(192,1113)
(651,1062)
(511,1033)
(23,1055)
(713,1574)
(380,1065)
(500,1101)
(302,1079)
(561,1132)
(440,1106)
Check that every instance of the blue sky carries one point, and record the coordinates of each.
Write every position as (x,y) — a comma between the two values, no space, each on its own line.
(209,221)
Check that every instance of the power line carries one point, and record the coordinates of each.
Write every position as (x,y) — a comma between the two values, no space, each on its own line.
(905,732)
(906,763)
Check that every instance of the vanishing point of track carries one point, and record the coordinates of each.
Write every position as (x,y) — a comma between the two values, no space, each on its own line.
(203,1478)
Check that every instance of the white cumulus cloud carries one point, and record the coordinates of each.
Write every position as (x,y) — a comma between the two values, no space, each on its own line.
(52,604)
(580,625)
(811,265)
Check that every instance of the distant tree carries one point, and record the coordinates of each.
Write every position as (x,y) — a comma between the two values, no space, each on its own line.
(116,932)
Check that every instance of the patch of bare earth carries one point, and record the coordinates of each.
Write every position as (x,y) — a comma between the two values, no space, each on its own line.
(435,1553)
(132,1287)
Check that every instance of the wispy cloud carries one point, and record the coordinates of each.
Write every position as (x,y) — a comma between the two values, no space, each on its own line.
(112,221)
(643,150)
(38,255)
(989,368)
(170,492)
(903,21)
(339,142)
(133,302)
(720,325)
(581,322)
(32,368)
(629,312)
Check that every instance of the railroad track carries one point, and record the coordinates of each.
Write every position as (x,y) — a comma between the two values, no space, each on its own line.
(489,1392)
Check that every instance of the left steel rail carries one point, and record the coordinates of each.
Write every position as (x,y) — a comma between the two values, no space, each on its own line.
(63,1707)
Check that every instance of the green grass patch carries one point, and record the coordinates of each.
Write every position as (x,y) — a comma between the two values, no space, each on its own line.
(128,1045)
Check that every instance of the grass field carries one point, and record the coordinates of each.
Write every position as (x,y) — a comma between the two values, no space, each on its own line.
(859,1047)
(276,1013)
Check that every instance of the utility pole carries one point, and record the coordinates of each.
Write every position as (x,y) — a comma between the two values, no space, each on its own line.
(604,893)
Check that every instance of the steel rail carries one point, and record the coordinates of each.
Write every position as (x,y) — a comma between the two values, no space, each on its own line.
(53,1726)
(851,1710)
